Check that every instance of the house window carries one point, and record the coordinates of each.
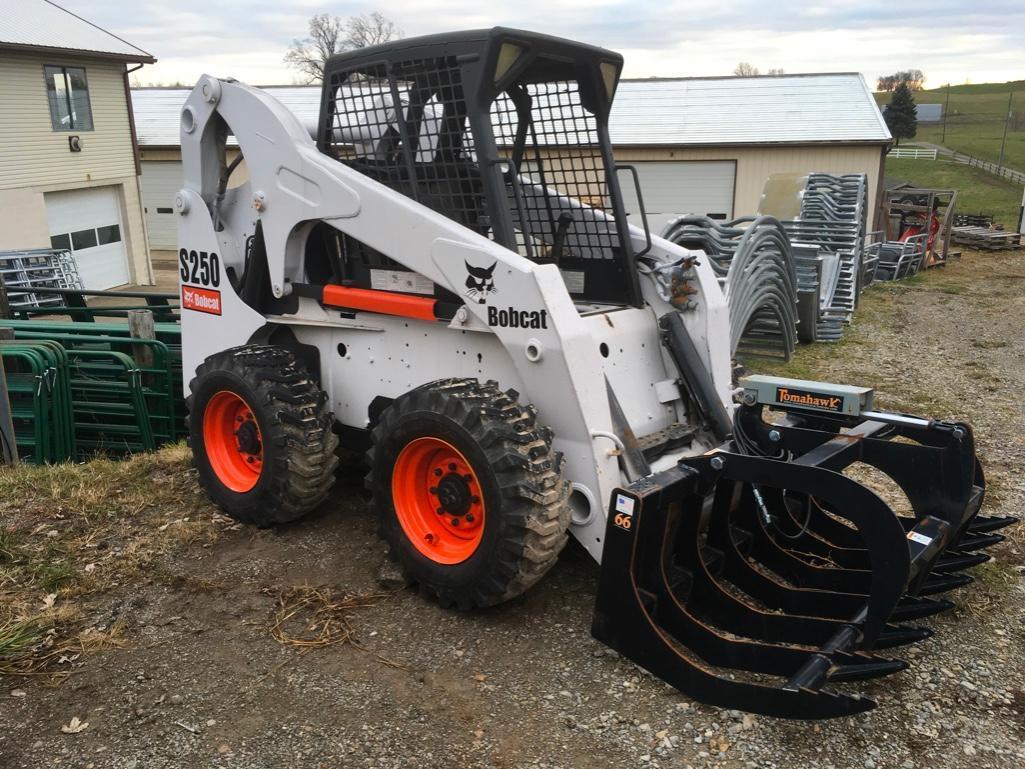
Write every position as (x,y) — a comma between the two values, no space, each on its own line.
(82,239)
(62,242)
(68,95)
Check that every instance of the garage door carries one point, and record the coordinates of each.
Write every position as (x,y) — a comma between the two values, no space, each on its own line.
(673,188)
(161,181)
(89,223)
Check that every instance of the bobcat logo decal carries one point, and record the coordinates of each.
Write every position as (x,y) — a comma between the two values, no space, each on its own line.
(479,282)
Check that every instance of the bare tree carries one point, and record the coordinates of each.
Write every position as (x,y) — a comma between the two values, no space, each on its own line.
(912,78)
(776,71)
(746,70)
(333,34)
(369,29)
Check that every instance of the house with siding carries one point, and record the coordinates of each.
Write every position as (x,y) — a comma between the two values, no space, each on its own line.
(69,167)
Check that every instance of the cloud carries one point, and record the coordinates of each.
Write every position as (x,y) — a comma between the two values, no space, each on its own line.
(955,41)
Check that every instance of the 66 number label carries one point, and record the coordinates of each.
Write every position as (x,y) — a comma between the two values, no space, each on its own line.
(200,267)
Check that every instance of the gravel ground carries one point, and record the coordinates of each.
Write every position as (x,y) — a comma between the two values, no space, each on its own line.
(201,681)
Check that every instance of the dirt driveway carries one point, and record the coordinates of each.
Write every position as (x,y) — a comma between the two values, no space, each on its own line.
(170,642)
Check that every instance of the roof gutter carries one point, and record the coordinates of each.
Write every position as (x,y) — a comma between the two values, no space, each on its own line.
(142,57)
(720,145)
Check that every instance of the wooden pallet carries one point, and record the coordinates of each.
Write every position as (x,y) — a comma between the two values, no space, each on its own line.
(986,238)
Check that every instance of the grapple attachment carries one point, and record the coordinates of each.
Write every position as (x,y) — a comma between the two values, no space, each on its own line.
(755,576)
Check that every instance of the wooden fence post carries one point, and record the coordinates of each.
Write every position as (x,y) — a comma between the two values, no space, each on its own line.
(8,447)
(141,326)
(5,305)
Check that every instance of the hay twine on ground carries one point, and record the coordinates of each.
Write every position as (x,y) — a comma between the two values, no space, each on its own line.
(309,617)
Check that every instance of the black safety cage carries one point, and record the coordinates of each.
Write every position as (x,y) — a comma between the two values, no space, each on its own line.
(503,131)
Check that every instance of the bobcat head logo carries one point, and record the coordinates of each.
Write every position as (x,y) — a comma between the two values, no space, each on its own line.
(479,282)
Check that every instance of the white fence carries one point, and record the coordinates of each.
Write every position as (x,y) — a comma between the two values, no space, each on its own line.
(913,153)
(1016,177)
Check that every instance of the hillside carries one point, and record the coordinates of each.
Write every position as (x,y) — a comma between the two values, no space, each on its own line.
(975,120)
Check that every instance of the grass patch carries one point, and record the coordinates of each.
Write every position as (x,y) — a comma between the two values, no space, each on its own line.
(977,191)
(72,531)
(18,639)
(996,575)
(8,546)
(849,361)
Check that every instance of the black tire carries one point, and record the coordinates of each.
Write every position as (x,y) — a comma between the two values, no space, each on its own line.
(520,480)
(295,438)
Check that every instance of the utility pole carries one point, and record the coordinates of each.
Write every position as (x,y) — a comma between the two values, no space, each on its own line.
(1021,215)
(1007,119)
(946,109)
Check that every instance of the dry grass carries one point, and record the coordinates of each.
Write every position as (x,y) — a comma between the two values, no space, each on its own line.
(310,617)
(71,531)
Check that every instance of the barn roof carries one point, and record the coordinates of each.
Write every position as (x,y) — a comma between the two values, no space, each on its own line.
(775,109)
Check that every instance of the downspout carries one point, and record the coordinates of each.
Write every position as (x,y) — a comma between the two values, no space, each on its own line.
(131,117)
(878,216)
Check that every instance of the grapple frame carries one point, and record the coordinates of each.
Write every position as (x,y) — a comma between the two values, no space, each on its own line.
(763,558)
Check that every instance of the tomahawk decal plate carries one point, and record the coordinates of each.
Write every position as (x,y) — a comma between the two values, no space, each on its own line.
(803,394)
(789,396)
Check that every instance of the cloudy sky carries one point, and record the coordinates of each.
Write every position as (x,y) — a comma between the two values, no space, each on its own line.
(957,42)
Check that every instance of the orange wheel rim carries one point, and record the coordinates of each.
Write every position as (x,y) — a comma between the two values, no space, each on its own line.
(233,442)
(438,500)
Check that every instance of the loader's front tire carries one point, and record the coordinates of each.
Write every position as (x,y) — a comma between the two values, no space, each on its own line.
(468,492)
(261,436)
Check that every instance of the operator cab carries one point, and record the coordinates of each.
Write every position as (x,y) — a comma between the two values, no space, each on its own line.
(503,131)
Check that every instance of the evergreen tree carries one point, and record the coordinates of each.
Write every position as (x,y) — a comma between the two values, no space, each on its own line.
(901,114)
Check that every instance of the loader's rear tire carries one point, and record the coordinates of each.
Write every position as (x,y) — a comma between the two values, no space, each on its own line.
(261,436)
(468,492)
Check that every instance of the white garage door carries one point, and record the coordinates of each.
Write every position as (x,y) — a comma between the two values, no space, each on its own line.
(89,223)
(161,181)
(676,187)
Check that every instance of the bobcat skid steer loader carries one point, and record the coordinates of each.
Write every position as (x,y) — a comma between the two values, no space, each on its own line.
(446,279)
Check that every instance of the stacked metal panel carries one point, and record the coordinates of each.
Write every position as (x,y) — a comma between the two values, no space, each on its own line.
(37,268)
(896,260)
(756,269)
(832,213)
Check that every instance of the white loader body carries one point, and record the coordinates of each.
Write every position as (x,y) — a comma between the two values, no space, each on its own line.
(523,330)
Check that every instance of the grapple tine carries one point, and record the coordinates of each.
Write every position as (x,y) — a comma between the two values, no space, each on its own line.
(983,524)
(898,635)
(919,607)
(971,541)
(867,670)
(943,583)
(958,561)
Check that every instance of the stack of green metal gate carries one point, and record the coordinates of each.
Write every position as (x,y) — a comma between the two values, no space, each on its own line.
(37,386)
(78,389)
